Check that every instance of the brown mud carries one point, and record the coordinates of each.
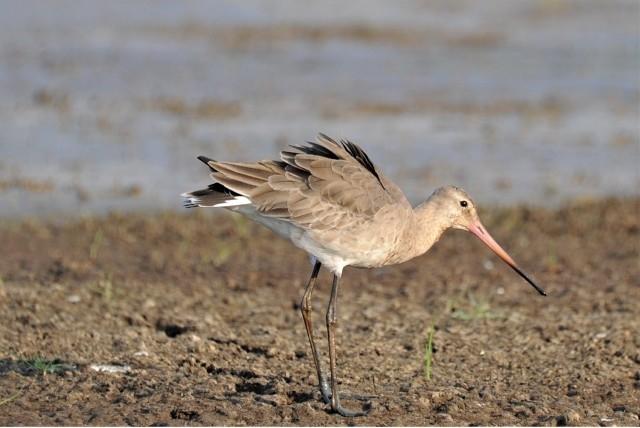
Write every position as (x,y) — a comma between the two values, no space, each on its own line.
(199,312)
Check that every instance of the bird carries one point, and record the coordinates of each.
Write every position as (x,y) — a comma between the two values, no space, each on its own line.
(329,199)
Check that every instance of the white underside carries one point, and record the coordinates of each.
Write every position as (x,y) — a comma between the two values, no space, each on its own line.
(295,234)
(299,237)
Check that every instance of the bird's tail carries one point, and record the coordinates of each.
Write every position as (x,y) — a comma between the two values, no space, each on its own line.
(234,182)
(216,195)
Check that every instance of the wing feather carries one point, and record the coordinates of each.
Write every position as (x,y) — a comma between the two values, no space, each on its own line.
(319,185)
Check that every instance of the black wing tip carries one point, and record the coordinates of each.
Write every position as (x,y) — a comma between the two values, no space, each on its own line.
(206,160)
(351,148)
(324,136)
(314,149)
(212,188)
(361,156)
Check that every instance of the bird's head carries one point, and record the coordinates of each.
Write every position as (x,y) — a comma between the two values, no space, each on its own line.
(457,206)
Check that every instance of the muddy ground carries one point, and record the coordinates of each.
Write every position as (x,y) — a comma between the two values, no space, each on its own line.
(202,310)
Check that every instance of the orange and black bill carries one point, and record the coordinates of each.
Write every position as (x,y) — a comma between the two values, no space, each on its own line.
(479,230)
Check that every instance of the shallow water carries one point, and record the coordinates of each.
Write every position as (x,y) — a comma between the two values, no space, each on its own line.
(105,105)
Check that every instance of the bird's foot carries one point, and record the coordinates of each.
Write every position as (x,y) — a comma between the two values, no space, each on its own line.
(326,397)
(342,411)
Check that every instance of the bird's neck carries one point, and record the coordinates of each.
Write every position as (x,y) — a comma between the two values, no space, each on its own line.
(428,226)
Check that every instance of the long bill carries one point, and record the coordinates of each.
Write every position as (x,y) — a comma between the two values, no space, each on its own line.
(479,230)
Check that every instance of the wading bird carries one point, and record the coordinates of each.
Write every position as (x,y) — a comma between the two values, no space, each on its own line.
(329,199)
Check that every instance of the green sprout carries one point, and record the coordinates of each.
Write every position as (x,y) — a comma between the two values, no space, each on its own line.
(428,352)
(45,366)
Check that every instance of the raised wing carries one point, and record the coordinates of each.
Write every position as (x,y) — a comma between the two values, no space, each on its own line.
(318,185)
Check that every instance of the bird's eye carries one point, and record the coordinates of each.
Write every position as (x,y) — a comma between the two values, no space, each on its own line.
(464,204)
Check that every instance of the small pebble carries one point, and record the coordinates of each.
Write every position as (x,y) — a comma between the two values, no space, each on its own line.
(444,417)
(149,303)
(110,368)
(271,352)
(605,422)
(435,395)
(619,408)
(573,417)
(424,402)
(74,298)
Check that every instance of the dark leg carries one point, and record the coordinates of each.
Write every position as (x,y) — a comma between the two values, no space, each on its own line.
(332,321)
(305,307)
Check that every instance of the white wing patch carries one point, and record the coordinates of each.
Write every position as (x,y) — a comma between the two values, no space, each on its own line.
(238,200)
(196,201)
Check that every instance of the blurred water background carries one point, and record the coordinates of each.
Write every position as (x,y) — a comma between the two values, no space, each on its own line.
(105,104)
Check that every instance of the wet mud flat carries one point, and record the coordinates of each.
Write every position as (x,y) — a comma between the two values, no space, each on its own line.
(193,319)
(543,94)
